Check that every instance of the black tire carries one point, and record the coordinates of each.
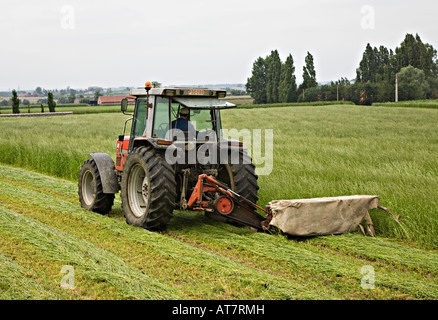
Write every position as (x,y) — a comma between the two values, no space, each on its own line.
(90,190)
(148,189)
(241,178)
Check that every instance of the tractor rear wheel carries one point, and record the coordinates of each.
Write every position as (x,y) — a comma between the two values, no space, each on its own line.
(148,189)
(90,189)
(241,176)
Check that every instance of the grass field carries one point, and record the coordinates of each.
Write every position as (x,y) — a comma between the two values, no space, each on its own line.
(76,109)
(247,105)
(43,228)
(318,151)
(410,104)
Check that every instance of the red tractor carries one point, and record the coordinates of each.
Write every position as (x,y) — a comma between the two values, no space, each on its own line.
(163,165)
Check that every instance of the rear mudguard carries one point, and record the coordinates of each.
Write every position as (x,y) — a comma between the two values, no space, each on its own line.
(107,172)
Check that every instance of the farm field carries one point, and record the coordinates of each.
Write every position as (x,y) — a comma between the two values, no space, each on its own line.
(410,104)
(76,109)
(318,151)
(240,99)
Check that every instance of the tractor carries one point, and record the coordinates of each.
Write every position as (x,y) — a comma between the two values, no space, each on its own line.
(161,166)
(175,157)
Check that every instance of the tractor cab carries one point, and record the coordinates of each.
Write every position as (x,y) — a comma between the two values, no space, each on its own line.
(158,115)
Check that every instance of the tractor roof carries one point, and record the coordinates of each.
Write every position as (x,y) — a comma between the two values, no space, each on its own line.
(195,98)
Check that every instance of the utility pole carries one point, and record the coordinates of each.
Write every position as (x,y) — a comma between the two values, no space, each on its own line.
(337,92)
(396,88)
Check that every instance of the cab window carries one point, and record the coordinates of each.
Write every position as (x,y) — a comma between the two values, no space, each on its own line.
(140,118)
(162,118)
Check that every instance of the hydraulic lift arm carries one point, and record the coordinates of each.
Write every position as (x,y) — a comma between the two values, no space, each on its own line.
(228,203)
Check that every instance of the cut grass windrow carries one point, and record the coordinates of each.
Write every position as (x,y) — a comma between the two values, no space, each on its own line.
(376,249)
(25,285)
(92,263)
(289,256)
(198,258)
(201,273)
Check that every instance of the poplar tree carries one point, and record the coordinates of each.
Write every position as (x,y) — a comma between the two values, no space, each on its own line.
(309,73)
(15,102)
(273,75)
(377,64)
(413,52)
(256,84)
(50,102)
(288,84)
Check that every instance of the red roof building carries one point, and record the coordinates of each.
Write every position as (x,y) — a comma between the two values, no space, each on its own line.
(114,100)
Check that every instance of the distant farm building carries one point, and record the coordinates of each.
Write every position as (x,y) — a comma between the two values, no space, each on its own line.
(114,100)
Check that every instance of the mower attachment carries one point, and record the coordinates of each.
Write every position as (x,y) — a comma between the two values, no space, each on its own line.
(299,217)
(213,196)
(324,216)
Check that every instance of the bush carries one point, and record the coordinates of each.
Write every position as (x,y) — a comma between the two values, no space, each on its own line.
(412,84)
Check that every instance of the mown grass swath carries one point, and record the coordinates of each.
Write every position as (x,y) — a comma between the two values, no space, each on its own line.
(42,228)
(92,264)
(318,151)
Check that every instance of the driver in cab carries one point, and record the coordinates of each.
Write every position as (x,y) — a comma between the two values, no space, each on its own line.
(183,122)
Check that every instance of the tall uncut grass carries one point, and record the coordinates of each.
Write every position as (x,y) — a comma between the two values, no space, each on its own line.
(75,108)
(292,104)
(347,150)
(410,104)
(58,146)
(318,151)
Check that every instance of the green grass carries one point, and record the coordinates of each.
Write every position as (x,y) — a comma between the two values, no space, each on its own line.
(43,228)
(318,151)
(58,146)
(293,104)
(345,150)
(75,108)
(409,104)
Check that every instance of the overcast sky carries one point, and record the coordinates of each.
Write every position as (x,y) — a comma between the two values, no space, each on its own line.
(55,44)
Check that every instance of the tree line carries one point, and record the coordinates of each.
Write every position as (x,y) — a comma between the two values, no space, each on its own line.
(414,64)
(16,102)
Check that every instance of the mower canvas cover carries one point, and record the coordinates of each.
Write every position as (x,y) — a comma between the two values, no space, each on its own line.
(323,216)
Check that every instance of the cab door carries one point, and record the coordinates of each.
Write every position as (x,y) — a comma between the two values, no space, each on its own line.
(139,122)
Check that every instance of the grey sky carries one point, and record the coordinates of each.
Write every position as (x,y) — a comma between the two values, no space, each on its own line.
(81,43)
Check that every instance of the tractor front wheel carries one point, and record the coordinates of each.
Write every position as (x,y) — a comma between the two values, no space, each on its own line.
(90,189)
